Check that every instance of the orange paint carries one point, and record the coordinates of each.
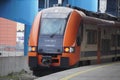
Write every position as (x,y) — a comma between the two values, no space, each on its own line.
(32,54)
(98,46)
(70,37)
(33,40)
(39,59)
(72,29)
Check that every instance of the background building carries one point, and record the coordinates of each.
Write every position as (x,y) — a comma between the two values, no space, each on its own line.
(22,11)
(113,7)
(118,8)
(91,5)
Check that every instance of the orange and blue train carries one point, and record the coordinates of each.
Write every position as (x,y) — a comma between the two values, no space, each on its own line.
(62,37)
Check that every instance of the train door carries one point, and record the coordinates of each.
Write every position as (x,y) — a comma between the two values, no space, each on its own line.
(105,44)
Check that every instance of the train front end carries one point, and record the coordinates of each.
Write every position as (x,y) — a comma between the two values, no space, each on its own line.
(54,38)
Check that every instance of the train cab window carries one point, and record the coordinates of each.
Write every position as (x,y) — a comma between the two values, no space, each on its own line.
(91,36)
(52,26)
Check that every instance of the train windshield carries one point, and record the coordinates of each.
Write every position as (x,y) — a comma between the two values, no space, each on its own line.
(52,26)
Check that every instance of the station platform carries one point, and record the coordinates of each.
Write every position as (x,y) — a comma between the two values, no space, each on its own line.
(106,71)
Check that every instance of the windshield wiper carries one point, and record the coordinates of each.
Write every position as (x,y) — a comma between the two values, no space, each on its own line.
(52,35)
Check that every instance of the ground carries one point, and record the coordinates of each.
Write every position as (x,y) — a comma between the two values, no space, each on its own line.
(23,75)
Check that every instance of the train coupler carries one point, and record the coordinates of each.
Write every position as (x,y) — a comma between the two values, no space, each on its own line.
(46,61)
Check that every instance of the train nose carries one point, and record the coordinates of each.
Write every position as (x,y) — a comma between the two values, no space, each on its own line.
(46,60)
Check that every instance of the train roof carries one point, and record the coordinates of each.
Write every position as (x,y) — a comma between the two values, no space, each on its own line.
(58,12)
(99,19)
(105,16)
(67,10)
(88,16)
(57,9)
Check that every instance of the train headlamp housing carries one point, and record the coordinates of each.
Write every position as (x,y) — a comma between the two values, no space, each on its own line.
(69,49)
(32,49)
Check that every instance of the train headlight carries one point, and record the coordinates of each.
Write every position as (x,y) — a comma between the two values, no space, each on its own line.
(32,49)
(69,49)
(66,49)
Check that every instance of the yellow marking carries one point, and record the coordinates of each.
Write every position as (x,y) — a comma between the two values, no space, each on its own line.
(84,71)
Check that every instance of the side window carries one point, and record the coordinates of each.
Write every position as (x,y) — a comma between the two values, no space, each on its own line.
(115,40)
(118,40)
(80,35)
(91,36)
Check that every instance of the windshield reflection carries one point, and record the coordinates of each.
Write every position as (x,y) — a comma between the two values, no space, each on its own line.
(52,26)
